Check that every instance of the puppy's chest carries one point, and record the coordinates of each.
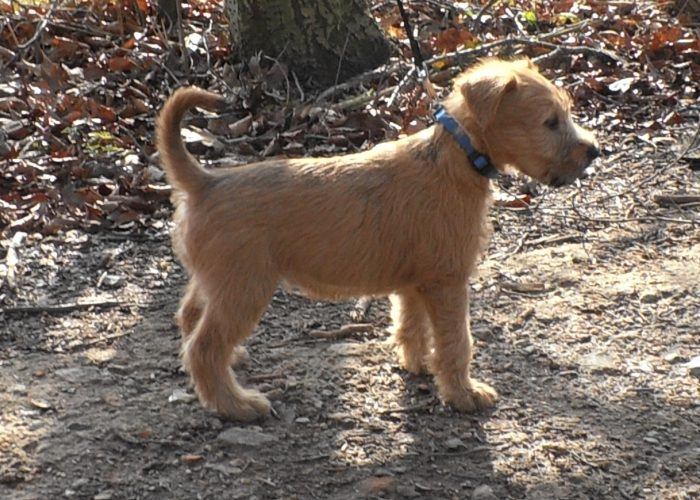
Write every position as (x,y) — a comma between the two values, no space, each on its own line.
(450,239)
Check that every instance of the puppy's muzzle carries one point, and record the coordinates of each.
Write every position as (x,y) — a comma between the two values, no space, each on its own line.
(558,180)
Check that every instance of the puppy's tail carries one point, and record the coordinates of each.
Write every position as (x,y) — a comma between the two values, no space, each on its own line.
(183,171)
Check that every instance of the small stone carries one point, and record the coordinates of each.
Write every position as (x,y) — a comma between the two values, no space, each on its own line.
(484,492)
(78,483)
(154,173)
(674,355)
(77,376)
(20,389)
(120,369)
(454,443)
(110,281)
(347,349)
(302,420)
(40,404)
(104,495)
(407,491)
(239,436)
(190,458)
(649,297)
(529,350)
(694,367)
(275,394)
(180,396)
(599,362)
(132,159)
(645,366)
(340,416)
(377,486)
(229,470)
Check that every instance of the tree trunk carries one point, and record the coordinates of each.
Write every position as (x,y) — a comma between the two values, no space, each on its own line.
(320,40)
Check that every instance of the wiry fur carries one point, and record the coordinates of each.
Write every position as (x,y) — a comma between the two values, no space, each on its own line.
(406,218)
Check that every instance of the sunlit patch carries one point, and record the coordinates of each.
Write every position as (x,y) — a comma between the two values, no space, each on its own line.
(374,407)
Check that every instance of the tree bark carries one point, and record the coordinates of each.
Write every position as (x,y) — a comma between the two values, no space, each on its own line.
(323,41)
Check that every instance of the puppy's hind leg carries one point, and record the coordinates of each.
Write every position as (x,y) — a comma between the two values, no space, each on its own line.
(230,314)
(190,312)
(411,330)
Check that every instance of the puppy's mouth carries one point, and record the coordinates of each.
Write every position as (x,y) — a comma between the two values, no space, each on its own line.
(557,179)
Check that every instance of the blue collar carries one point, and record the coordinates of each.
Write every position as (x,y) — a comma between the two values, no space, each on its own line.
(482,164)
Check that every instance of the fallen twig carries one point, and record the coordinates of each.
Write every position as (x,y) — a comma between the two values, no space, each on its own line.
(264,377)
(570,28)
(375,74)
(362,99)
(42,25)
(669,200)
(525,288)
(59,308)
(554,240)
(312,458)
(460,55)
(343,332)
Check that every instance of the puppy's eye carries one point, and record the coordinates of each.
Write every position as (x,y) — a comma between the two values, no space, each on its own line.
(552,123)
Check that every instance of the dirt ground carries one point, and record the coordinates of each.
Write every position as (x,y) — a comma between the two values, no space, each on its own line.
(586,312)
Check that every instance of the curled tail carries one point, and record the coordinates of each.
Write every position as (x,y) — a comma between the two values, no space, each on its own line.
(183,171)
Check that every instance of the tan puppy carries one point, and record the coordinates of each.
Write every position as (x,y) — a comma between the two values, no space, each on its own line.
(407,218)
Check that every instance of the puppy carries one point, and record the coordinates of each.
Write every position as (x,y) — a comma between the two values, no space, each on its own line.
(407,218)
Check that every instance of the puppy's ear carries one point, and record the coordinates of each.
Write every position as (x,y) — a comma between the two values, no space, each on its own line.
(484,92)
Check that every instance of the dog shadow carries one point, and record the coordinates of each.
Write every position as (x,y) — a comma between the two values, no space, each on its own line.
(350,423)
(364,428)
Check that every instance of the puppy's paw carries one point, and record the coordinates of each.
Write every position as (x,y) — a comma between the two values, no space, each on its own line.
(251,405)
(469,397)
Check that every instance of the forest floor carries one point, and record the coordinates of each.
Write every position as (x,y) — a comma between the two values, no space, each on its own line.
(585,333)
(586,317)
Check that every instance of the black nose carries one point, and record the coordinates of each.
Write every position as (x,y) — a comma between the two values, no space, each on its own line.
(593,152)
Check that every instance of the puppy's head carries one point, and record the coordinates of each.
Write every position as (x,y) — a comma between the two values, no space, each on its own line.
(522,120)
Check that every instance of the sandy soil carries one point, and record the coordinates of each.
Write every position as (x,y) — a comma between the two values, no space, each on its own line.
(585,312)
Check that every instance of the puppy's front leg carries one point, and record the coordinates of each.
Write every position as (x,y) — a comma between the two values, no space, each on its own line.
(448,309)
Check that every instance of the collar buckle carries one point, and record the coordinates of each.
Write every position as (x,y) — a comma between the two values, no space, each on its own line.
(481,163)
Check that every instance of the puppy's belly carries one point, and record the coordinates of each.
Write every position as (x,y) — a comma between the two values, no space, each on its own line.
(324,290)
